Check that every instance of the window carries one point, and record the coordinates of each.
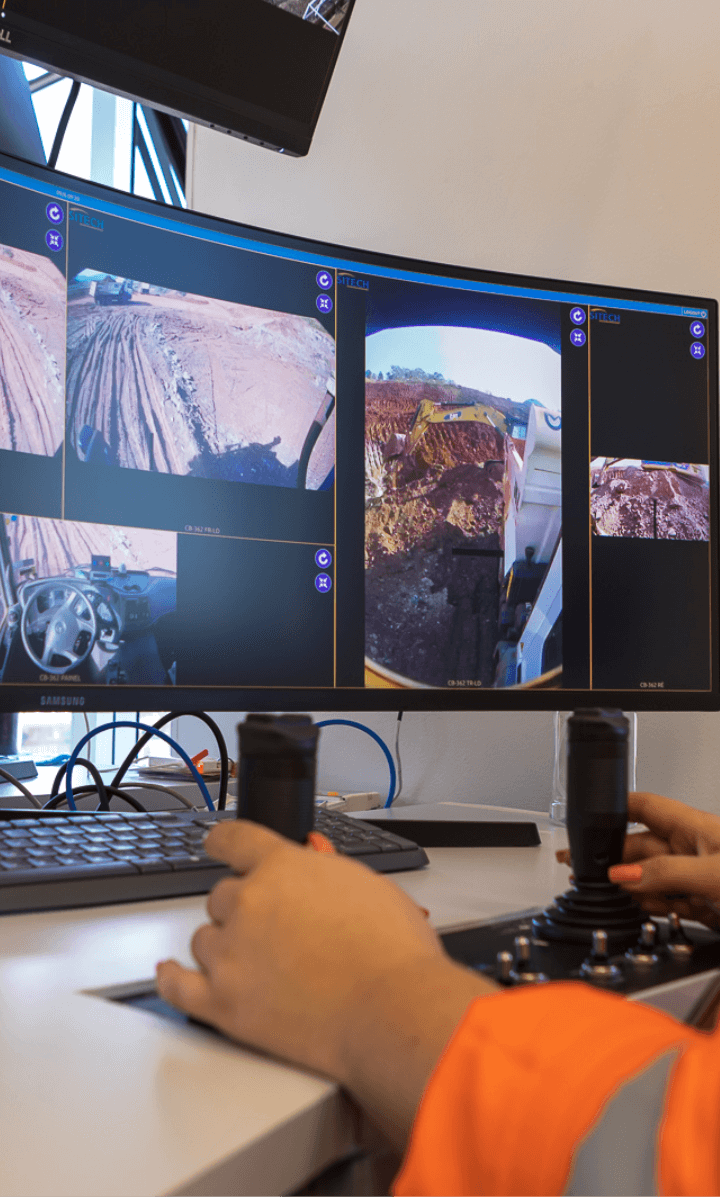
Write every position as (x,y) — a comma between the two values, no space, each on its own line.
(96,135)
(44,735)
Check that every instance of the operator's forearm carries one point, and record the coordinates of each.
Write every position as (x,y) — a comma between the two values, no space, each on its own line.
(396,1035)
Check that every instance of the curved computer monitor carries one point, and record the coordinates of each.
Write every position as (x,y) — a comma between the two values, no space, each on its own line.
(257,69)
(242,471)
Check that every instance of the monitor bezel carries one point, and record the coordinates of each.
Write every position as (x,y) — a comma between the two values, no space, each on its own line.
(59,696)
(246,116)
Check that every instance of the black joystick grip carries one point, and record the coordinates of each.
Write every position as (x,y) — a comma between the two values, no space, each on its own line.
(597,747)
(276,775)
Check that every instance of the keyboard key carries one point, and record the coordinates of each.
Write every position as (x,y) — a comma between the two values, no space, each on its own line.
(153,865)
(179,863)
(35,876)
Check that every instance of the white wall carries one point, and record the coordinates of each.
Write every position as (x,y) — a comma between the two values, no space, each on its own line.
(547,137)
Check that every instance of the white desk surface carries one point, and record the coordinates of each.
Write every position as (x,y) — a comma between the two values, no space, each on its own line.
(99,1098)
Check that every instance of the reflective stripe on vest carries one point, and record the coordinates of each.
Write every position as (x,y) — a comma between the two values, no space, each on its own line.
(619,1157)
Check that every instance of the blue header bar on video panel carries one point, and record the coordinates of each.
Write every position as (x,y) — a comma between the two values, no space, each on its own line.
(355,267)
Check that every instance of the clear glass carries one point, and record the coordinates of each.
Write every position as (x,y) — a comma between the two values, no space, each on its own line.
(558,799)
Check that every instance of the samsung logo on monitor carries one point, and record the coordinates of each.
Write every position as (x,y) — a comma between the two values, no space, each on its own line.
(61,700)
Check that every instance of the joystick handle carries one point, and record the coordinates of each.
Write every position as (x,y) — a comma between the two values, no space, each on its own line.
(276,774)
(597,745)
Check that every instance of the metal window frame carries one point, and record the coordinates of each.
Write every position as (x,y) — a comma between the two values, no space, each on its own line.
(167,133)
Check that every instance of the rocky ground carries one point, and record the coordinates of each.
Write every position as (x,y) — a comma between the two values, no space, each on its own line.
(433,540)
(652,504)
(194,386)
(57,546)
(32,353)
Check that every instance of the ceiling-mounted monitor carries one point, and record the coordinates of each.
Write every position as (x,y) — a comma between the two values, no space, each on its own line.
(258,70)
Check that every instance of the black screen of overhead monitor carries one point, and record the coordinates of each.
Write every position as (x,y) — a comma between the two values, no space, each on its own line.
(258,69)
(240,470)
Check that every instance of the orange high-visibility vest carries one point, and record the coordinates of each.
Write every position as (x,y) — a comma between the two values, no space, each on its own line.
(564,1089)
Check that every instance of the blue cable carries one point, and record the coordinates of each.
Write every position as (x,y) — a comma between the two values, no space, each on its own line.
(378,740)
(144,727)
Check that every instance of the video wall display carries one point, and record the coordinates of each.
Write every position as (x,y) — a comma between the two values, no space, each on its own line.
(236,460)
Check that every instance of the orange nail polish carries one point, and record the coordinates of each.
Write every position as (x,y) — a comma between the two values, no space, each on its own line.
(318,841)
(626,872)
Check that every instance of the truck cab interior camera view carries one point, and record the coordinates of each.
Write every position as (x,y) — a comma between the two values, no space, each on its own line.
(234,461)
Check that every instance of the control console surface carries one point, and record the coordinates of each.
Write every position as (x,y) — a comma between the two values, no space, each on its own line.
(511,951)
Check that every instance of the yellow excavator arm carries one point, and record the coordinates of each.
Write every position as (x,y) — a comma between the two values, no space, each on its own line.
(446,413)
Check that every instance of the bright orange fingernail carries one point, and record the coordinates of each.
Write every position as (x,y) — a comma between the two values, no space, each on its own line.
(319,842)
(627,872)
(425,912)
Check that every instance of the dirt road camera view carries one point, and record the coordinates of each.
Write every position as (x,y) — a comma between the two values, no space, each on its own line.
(463,508)
(32,353)
(86,603)
(652,500)
(183,384)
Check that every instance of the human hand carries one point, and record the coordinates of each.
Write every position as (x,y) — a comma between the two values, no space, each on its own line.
(679,854)
(298,941)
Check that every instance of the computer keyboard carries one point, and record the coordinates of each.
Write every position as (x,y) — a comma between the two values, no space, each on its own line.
(53,862)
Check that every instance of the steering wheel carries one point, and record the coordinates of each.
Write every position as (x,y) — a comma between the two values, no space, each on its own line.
(61,617)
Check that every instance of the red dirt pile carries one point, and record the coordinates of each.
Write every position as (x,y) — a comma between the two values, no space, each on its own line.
(652,504)
(433,526)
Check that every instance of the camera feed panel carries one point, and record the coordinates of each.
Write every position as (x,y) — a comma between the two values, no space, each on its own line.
(32,380)
(87,603)
(653,500)
(177,385)
(32,353)
(255,613)
(183,384)
(463,557)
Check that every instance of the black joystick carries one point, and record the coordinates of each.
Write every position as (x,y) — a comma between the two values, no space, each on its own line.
(596,823)
(276,773)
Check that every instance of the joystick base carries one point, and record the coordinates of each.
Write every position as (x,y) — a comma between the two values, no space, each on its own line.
(562,960)
(574,915)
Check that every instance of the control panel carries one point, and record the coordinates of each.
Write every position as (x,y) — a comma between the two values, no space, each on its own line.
(513,951)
